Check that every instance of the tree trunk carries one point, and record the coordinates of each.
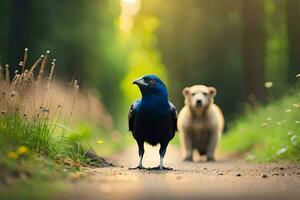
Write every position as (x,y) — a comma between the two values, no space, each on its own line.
(253,49)
(293,18)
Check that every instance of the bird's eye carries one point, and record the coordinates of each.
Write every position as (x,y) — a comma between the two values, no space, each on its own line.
(193,94)
(152,81)
(205,93)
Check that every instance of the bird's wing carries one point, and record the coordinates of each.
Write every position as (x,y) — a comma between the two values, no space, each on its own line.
(174,115)
(131,114)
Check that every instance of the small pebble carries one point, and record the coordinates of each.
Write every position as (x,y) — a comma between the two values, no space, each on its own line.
(264,176)
(239,174)
(220,173)
(281,168)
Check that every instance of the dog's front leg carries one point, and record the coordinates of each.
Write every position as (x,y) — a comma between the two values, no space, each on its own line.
(212,144)
(188,146)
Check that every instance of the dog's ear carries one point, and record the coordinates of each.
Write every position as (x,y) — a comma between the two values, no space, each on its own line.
(186,91)
(212,91)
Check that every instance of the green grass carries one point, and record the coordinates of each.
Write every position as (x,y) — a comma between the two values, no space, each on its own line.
(33,159)
(16,131)
(269,134)
(34,154)
(30,176)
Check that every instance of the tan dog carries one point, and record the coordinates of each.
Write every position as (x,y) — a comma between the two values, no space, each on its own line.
(200,122)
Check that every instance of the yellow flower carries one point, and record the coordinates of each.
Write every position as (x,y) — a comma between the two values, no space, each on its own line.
(12,155)
(100,142)
(268,84)
(22,150)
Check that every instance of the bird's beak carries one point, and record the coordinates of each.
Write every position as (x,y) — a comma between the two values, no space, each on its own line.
(140,82)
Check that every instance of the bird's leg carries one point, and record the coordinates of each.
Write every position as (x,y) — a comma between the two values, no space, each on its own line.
(141,161)
(141,155)
(162,152)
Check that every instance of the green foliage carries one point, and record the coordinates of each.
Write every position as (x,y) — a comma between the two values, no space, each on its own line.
(17,131)
(276,45)
(271,133)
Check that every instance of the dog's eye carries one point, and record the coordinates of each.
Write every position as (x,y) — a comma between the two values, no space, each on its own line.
(204,93)
(152,81)
(193,94)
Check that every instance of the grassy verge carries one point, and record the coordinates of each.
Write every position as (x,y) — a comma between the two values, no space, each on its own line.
(31,161)
(37,149)
(269,134)
(28,175)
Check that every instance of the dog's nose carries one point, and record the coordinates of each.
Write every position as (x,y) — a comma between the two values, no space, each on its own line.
(199,102)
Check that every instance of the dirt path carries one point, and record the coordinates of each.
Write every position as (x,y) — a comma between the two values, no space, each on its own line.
(198,180)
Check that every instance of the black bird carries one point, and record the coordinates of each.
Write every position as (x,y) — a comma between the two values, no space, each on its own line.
(152,119)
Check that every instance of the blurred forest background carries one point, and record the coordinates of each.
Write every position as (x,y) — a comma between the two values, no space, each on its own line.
(235,45)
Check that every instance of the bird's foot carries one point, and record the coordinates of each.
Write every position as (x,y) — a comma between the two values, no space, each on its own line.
(138,167)
(160,168)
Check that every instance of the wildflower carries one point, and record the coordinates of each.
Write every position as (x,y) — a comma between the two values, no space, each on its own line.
(269,118)
(100,142)
(288,110)
(298,76)
(268,84)
(22,150)
(279,123)
(12,155)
